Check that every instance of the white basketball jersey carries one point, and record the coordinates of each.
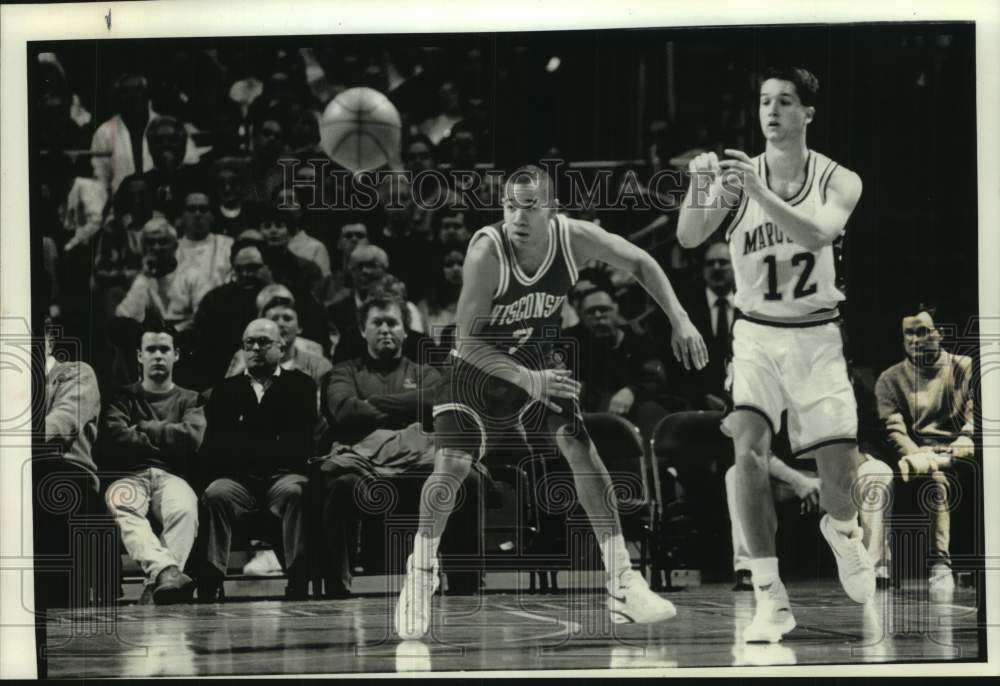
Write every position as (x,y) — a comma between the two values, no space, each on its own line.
(775,277)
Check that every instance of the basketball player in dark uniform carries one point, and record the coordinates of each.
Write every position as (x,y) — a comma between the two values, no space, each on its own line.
(508,380)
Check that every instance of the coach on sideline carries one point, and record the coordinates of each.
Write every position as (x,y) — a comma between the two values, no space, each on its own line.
(259,437)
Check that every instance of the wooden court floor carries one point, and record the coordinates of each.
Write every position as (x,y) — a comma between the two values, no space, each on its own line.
(501,631)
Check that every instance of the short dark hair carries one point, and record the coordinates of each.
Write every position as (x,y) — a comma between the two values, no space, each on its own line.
(245,242)
(534,174)
(715,239)
(805,82)
(158,327)
(383,299)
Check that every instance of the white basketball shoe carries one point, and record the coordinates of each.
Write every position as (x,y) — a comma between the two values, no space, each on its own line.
(773,616)
(631,601)
(854,566)
(413,609)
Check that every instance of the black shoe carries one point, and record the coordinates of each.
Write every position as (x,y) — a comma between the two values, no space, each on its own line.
(211,590)
(335,591)
(884,583)
(173,586)
(744,580)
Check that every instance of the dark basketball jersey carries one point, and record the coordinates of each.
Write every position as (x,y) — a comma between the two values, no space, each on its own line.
(526,314)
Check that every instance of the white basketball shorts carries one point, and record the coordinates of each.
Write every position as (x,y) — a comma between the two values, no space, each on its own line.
(798,369)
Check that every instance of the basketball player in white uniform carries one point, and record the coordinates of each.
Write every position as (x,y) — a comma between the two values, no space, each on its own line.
(794,204)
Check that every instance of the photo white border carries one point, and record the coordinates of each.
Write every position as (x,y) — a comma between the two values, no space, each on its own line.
(186,18)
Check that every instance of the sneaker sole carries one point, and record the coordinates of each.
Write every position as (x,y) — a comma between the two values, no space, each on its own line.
(619,616)
(774,636)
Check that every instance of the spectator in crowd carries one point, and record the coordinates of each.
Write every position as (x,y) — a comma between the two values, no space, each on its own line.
(352,234)
(366,266)
(378,405)
(278,305)
(301,243)
(162,289)
(619,370)
(268,148)
(925,404)
(798,482)
(120,146)
(57,131)
(259,437)
(410,251)
(72,407)
(233,213)
(119,243)
(462,148)
(438,309)
(225,311)
(438,127)
(452,225)
(200,248)
(418,154)
(299,274)
(151,431)
(168,178)
(710,305)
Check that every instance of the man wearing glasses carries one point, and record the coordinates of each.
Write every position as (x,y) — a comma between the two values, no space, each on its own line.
(925,404)
(259,436)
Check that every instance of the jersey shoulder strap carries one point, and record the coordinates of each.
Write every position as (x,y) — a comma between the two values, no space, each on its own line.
(825,168)
(492,233)
(566,246)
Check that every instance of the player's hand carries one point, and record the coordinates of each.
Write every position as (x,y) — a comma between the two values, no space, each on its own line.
(621,402)
(705,163)
(688,345)
(548,385)
(962,448)
(807,490)
(917,464)
(741,172)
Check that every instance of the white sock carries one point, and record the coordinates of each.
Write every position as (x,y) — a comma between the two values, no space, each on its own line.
(615,555)
(844,526)
(425,550)
(764,570)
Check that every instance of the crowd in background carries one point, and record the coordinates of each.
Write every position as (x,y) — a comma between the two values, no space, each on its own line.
(167,216)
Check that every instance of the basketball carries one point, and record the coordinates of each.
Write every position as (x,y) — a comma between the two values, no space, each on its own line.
(361,130)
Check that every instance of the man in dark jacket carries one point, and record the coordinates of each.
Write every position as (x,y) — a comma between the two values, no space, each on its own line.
(377,406)
(151,431)
(259,438)
(620,370)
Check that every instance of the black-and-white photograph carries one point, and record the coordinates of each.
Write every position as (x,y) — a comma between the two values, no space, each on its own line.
(500,349)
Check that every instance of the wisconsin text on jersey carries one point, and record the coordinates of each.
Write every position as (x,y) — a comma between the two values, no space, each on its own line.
(530,306)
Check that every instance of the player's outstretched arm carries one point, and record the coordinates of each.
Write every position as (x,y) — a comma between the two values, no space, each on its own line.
(591,242)
(481,275)
(703,210)
(817,231)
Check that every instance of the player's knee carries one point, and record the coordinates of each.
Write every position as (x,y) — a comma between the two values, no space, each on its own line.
(875,471)
(751,461)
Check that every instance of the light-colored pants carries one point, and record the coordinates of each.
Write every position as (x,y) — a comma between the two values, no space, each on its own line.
(172,502)
(874,477)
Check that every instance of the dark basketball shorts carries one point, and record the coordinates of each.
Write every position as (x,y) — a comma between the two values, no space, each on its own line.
(477,412)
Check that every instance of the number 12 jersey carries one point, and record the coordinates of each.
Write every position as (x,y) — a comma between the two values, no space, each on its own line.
(777,279)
